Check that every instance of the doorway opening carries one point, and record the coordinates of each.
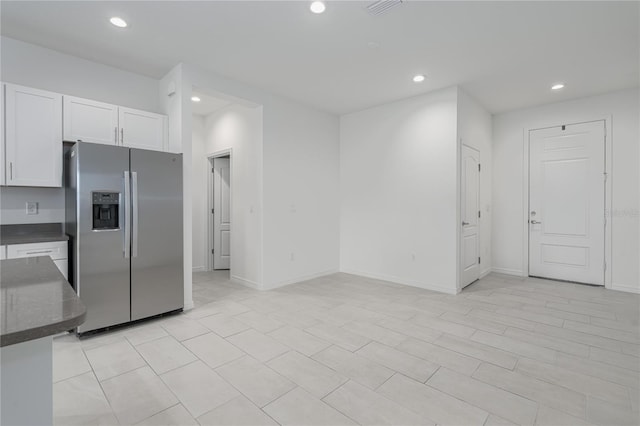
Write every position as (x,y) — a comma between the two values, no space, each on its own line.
(567,198)
(470,216)
(219,205)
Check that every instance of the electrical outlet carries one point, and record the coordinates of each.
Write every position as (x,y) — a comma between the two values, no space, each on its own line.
(31,207)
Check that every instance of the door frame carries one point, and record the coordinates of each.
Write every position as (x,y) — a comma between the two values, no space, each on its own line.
(460,230)
(608,189)
(210,188)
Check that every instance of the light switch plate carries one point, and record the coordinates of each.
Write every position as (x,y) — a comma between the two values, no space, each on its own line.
(32,207)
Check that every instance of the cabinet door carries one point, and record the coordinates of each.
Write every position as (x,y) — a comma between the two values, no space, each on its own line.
(3,252)
(90,121)
(33,140)
(141,129)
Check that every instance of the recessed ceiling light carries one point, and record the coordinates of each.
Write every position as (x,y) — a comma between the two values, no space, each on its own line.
(418,78)
(118,22)
(195,99)
(557,86)
(317,7)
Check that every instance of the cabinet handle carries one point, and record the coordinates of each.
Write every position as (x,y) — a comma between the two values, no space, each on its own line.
(39,252)
(115,134)
(11,170)
(122,136)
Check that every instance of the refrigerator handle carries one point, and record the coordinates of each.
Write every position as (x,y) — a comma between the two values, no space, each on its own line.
(127,216)
(134,203)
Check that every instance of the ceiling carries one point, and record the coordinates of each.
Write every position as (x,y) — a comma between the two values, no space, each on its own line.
(207,104)
(505,54)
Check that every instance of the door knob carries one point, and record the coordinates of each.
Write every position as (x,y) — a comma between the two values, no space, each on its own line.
(465,223)
(535,222)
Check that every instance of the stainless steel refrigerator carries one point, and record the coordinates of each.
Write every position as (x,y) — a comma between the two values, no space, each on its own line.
(124,219)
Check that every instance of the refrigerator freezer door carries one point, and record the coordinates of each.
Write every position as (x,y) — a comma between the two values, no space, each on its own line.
(156,262)
(103,267)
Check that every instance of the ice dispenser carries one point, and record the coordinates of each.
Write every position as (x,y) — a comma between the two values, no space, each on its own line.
(106,211)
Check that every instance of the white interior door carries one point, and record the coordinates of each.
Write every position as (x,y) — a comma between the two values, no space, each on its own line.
(470,214)
(221,213)
(566,202)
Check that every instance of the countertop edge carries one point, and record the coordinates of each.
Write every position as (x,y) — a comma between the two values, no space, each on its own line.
(42,331)
(11,241)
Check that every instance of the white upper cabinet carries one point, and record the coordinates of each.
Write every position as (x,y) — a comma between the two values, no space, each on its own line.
(90,121)
(33,137)
(86,120)
(141,129)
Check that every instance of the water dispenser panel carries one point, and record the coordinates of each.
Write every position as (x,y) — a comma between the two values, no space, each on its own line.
(106,210)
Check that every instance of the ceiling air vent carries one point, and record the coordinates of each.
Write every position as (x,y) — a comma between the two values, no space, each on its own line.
(382,6)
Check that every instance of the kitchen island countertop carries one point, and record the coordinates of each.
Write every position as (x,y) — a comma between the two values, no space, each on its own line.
(36,301)
(30,233)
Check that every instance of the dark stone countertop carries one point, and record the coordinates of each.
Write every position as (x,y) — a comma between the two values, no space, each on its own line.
(35,301)
(31,233)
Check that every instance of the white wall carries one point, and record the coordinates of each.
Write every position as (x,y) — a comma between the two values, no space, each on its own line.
(301,194)
(199,194)
(509,129)
(475,130)
(238,128)
(399,197)
(34,66)
(50,205)
(298,203)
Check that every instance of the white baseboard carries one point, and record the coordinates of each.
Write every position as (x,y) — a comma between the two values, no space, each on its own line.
(188,305)
(485,273)
(300,279)
(625,288)
(198,269)
(507,271)
(397,280)
(245,282)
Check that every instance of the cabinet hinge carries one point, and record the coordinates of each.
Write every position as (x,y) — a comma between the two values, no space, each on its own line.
(478,166)
(478,214)
(478,260)
(606,176)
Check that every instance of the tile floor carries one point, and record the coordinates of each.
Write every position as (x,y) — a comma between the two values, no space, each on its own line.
(344,349)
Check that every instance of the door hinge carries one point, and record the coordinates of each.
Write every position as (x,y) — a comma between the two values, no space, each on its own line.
(212,211)
(478,214)
(478,166)
(212,251)
(606,176)
(212,170)
(478,260)
(605,266)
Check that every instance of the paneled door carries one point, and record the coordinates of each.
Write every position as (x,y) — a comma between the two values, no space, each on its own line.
(470,214)
(221,213)
(566,202)
(33,137)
